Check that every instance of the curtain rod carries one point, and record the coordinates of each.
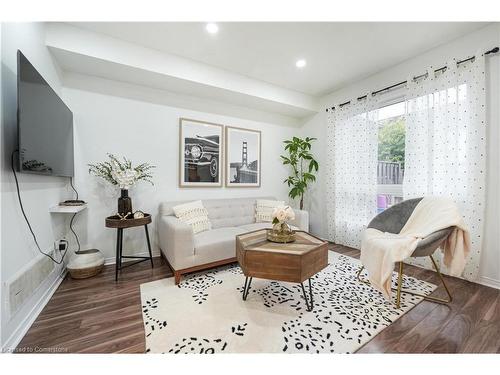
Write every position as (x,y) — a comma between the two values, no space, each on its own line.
(493,50)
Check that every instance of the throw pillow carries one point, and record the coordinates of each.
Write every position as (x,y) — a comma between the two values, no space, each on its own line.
(264,210)
(194,214)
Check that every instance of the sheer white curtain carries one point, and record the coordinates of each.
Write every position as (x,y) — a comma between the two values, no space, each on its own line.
(351,170)
(445,144)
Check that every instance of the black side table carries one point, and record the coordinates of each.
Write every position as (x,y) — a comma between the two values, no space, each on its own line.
(120,225)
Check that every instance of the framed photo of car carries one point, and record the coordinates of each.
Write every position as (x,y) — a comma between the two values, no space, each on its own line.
(243,155)
(200,146)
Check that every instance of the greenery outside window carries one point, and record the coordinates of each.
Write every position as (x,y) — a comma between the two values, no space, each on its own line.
(391,155)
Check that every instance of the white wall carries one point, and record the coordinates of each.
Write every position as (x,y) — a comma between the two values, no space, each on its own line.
(38,192)
(314,199)
(477,42)
(147,132)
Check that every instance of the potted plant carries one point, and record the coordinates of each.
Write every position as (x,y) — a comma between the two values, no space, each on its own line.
(122,174)
(303,166)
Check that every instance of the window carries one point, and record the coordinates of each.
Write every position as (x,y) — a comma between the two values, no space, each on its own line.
(391,155)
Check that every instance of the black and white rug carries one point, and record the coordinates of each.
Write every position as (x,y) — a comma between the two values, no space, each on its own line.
(205,313)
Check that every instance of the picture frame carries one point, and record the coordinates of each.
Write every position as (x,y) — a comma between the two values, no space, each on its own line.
(243,157)
(200,153)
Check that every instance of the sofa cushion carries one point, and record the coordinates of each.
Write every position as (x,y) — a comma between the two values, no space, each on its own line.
(193,214)
(223,212)
(216,244)
(264,209)
(258,226)
(230,212)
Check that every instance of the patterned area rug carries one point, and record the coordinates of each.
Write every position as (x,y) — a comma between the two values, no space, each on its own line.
(206,313)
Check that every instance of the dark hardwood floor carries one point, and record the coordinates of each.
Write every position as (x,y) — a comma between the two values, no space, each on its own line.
(98,315)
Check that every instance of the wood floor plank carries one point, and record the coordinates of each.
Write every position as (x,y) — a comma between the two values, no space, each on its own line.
(97,315)
(455,335)
(389,339)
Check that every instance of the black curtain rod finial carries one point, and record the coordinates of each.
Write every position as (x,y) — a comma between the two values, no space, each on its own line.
(494,50)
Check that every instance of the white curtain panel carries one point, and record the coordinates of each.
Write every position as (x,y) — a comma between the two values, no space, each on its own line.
(445,145)
(351,170)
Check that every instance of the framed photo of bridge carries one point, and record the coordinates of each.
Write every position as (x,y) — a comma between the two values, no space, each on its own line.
(200,153)
(243,157)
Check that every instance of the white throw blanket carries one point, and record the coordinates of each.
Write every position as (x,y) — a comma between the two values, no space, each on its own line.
(380,251)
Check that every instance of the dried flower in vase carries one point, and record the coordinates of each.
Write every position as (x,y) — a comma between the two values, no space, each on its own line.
(121,173)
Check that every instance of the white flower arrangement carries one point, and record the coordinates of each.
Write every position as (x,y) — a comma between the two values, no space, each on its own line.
(282,214)
(121,173)
(126,178)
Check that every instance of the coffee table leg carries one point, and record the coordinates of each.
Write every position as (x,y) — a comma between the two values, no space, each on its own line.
(246,287)
(309,302)
(311,293)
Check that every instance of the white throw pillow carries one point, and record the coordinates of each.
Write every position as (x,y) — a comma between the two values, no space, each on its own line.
(194,214)
(264,210)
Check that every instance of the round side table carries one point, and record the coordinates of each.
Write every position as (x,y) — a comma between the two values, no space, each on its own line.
(120,225)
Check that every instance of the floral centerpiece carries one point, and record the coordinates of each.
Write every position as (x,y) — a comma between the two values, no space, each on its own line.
(122,174)
(282,232)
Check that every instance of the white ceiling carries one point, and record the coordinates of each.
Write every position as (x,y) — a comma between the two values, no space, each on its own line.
(86,55)
(336,53)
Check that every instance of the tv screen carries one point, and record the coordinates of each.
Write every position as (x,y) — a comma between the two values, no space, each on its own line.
(45,125)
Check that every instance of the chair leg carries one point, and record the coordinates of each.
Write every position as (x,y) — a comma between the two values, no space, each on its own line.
(358,275)
(438,271)
(400,284)
(400,290)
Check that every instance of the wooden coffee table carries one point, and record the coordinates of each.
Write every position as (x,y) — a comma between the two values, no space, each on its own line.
(293,262)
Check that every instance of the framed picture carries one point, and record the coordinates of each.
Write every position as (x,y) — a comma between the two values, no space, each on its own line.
(242,157)
(200,146)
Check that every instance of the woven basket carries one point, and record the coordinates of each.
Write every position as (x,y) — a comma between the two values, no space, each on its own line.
(83,273)
(85,263)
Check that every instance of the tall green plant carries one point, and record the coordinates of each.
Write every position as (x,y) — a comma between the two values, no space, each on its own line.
(303,166)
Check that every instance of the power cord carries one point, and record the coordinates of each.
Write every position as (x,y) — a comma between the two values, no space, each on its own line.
(72,230)
(26,218)
(73,187)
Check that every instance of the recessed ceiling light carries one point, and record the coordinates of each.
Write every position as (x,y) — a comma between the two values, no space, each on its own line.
(212,28)
(301,63)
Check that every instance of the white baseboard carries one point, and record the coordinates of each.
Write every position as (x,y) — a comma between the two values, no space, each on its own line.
(30,317)
(112,260)
(483,280)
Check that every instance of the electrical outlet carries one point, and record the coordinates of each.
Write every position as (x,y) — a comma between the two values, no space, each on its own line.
(61,245)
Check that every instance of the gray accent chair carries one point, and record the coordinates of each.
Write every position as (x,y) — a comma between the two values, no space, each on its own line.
(392,220)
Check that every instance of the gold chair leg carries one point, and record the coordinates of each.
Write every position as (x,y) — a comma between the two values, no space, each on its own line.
(358,275)
(400,284)
(399,289)
(438,271)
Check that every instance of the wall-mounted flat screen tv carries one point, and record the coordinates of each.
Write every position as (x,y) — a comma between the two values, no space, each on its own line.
(44,123)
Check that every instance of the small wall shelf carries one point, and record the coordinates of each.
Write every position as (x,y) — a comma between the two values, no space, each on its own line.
(67,209)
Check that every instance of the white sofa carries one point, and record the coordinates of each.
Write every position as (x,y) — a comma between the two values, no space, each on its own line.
(187,252)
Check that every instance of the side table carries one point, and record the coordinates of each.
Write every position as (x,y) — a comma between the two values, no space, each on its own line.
(120,225)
